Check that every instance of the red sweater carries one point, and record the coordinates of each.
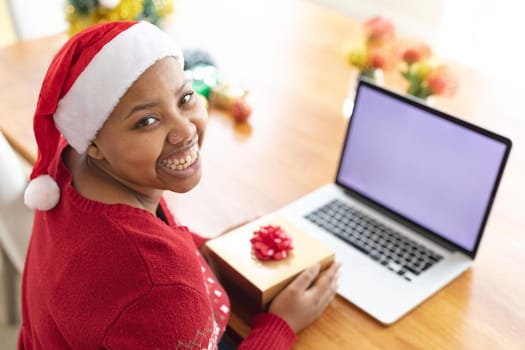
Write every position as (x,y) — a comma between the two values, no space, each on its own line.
(101,276)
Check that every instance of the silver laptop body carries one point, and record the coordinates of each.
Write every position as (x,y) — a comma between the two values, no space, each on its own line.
(423,182)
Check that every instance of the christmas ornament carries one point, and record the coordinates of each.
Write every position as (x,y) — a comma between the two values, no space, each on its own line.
(108,3)
(197,57)
(204,78)
(208,81)
(241,110)
(83,13)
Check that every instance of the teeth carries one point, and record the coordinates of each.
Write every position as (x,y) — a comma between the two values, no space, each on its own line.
(185,161)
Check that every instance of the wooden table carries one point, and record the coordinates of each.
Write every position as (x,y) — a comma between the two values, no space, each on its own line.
(289,54)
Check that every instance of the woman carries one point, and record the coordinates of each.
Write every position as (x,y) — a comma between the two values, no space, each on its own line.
(117,124)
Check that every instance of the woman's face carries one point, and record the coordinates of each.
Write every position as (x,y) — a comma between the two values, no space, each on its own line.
(151,140)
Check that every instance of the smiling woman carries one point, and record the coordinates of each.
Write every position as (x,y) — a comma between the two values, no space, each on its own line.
(163,122)
(117,123)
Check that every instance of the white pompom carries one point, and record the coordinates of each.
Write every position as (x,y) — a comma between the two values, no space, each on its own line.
(42,193)
(109,4)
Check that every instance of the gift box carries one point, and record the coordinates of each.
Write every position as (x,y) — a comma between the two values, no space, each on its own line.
(252,283)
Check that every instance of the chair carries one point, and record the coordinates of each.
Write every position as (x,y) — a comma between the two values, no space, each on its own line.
(16,221)
(35,18)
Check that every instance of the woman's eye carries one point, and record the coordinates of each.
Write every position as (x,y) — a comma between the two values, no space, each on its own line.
(146,122)
(186,98)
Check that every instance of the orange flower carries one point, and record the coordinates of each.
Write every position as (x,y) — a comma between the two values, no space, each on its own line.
(376,59)
(379,31)
(382,51)
(415,52)
(426,79)
(441,81)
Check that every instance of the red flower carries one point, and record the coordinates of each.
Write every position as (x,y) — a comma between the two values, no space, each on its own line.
(376,59)
(378,31)
(271,243)
(416,52)
(377,52)
(441,81)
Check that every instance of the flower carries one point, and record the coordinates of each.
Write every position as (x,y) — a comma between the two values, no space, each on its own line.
(441,81)
(379,32)
(364,59)
(414,52)
(426,79)
(382,51)
(375,53)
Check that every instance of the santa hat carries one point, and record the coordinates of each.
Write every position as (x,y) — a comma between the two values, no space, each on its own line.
(82,86)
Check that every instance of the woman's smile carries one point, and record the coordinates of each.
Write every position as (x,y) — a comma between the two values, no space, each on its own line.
(183,162)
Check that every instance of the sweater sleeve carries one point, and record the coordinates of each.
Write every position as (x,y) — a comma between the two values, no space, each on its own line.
(167,317)
(269,332)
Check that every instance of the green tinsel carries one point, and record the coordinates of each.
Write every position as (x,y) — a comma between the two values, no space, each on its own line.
(149,12)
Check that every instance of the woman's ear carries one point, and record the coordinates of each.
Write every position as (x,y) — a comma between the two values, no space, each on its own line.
(94,152)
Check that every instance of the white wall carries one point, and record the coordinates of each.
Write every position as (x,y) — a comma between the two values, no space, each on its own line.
(36,18)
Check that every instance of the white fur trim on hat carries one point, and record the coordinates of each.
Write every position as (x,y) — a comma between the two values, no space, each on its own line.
(42,193)
(82,112)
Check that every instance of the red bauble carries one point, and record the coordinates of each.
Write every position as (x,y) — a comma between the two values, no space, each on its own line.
(241,110)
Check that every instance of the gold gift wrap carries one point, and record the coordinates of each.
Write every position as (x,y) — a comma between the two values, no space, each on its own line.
(251,283)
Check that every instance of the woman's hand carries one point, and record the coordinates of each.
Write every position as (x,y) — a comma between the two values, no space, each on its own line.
(307,296)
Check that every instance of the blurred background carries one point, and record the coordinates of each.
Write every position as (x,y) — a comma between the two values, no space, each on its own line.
(479,33)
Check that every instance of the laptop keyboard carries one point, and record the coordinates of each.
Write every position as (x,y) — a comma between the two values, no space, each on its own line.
(386,246)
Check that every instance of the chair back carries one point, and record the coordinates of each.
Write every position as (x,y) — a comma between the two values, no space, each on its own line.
(16,220)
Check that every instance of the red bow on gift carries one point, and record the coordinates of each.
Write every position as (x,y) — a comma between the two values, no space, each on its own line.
(271,243)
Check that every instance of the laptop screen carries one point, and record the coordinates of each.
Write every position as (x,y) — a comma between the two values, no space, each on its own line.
(430,168)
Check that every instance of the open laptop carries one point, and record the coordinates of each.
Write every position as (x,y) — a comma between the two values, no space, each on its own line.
(406,213)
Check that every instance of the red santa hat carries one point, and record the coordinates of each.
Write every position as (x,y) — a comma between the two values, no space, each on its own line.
(82,86)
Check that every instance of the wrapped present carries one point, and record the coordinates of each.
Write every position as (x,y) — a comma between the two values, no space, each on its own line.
(253,282)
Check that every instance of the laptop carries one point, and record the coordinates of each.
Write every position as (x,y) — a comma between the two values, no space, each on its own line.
(412,195)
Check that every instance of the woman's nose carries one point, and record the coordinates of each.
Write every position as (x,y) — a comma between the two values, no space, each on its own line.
(183,131)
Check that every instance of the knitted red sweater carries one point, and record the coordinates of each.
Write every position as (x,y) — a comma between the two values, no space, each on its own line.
(103,276)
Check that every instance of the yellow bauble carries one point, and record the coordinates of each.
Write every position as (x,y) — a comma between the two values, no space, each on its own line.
(127,10)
